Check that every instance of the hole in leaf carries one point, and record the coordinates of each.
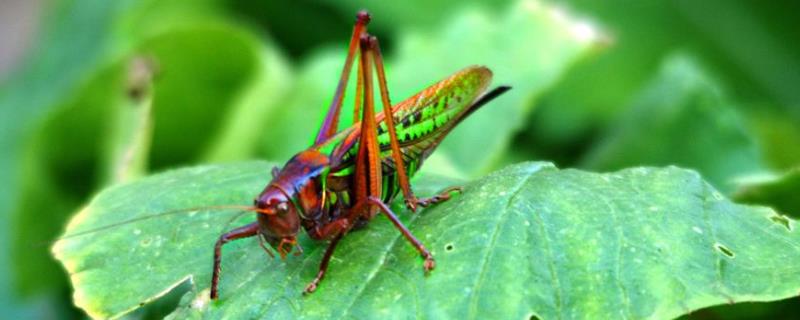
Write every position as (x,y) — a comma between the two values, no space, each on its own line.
(533,316)
(782,220)
(724,250)
(448,247)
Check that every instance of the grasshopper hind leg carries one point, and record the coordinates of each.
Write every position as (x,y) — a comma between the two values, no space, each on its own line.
(442,196)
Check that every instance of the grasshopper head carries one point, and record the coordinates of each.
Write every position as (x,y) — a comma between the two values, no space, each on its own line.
(292,194)
(278,220)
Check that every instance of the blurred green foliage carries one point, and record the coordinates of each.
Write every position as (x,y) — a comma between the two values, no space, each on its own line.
(778,192)
(708,85)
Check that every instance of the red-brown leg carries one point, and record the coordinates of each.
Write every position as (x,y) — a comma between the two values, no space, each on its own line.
(368,163)
(430,263)
(261,243)
(397,155)
(331,229)
(359,92)
(238,233)
(442,196)
(323,266)
(331,123)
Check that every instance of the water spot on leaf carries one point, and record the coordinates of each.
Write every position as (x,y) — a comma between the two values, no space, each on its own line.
(532,316)
(448,247)
(201,301)
(724,250)
(697,229)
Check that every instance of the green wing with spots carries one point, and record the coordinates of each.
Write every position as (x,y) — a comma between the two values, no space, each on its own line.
(422,121)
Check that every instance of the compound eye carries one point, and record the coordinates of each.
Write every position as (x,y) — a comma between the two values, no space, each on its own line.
(282,208)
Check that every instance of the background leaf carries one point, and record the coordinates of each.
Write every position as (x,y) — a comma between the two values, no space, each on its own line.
(682,117)
(779,192)
(65,125)
(653,243)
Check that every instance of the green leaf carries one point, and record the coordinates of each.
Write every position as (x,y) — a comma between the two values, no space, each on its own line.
(207,76)
(529,240)
(723,35)
(681,118)
(779,192)
(528,47)
(777,133)
(132,125)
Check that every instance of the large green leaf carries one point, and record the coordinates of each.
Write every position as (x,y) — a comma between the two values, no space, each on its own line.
(528,47)
(529,240)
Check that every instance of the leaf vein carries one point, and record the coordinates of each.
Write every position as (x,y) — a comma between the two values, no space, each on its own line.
(490,249)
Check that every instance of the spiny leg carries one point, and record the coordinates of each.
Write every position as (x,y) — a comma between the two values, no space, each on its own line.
(238,233)
(442,196)
(367,176)
(372,163)
(331,123)
(359,91)
(368,163)
(323,266)
(397,155)
(368,173)
(430,263)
